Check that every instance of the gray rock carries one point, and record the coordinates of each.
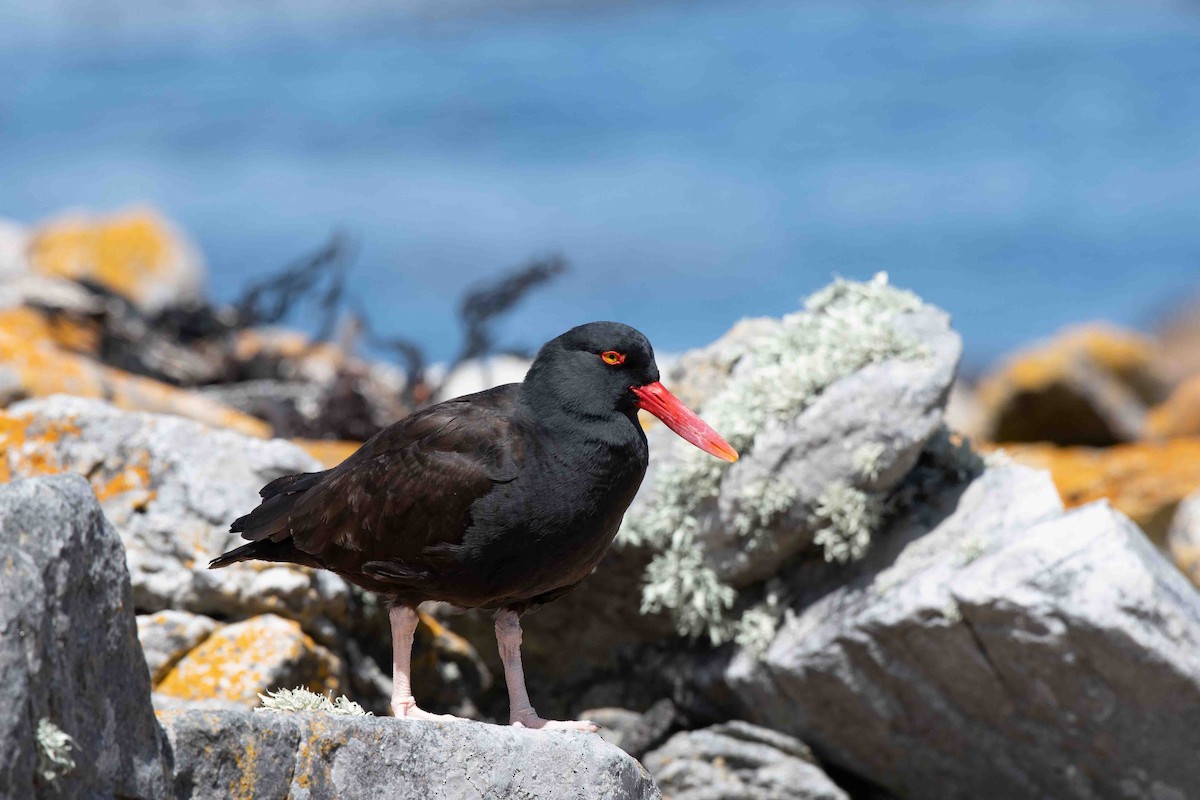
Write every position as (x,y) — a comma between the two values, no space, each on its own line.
(167,636)
(994,646)
(739,761)
(69,657)
(699,374)
(892,408)
(636,732)
(862,381)
(14,244)
(1183,537)
(242,661)
(275,755)
(171,486)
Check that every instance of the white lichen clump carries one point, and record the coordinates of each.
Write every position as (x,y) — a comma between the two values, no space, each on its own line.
(54,750)
(850,516)
(755,629)
(300,699)
(868,459)
(844,327)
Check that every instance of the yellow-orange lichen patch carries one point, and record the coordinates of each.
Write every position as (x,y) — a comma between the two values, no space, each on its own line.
(242,660)
(445,641)
(328,451)
(1089,385)
(132,253)
(27,446)
(1179,415)
(134,477)
(28,349)
(1144,480)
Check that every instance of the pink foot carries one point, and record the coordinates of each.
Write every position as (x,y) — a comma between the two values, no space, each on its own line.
(407,708)
(534,722)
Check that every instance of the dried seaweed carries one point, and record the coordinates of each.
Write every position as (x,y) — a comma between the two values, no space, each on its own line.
(193,344)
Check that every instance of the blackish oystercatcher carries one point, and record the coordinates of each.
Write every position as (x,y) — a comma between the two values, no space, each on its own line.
(504,499)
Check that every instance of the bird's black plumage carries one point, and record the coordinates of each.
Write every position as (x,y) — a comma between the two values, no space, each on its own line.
(503,499)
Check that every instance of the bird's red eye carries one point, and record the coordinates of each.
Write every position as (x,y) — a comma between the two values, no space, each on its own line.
(613,357)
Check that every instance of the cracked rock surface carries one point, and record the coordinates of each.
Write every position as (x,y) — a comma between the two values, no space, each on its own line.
(223,754)
(994,646)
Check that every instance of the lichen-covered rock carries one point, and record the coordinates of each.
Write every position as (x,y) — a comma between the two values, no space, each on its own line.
(1183,538)
(222,755)
(167,636)
(136,254)
(171,487)
(75,715)
(829,408)
(739,760)
(239,662)
(1179,415)
(995,646)
(1143,480)
(38,354)
(1088,386)
(329,452)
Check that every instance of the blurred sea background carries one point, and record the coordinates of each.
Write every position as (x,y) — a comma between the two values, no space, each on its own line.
(1025,165)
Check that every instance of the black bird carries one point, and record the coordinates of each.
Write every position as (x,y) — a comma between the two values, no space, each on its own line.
(504,499)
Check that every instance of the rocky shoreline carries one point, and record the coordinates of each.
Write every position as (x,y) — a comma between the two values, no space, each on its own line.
(866,605)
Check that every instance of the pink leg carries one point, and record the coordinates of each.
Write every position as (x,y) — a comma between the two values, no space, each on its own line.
(521,713)
(404,625)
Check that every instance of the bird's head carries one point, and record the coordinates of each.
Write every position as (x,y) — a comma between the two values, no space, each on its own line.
(602,368)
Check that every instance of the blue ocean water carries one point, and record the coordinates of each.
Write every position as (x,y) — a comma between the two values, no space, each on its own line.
(1024,165)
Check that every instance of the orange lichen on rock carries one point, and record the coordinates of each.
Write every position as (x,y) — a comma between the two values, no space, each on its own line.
(28,447)
(329,452)
(1144,480)
(1089,386)
(245,659)
(136,253)
(28,348)
(1179,416)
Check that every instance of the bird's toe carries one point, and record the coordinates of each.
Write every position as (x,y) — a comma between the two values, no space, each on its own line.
(539,724)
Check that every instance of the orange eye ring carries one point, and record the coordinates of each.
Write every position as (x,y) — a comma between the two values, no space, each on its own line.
(612,357)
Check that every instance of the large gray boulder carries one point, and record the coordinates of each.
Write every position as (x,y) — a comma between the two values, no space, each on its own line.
(738,761)
(171,486)
(994,646)
(222,754)
(830,409)
(75,715)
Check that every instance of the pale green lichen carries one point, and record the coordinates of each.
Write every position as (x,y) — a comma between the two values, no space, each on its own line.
(54,746)
(868,459)
(849,516)
(300,699)
(755,629)
(678,581)
(760,504)
(843,328)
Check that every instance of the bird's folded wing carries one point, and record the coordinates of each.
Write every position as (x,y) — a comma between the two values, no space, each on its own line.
(407,491)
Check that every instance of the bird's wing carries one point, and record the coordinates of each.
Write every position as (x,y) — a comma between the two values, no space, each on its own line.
(406,494)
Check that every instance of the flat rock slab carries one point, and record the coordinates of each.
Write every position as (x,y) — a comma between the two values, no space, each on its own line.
(265,755)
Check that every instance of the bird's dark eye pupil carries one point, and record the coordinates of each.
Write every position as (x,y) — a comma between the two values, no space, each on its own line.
(612,357)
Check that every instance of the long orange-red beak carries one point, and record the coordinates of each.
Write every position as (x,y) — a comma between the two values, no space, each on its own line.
(655,398)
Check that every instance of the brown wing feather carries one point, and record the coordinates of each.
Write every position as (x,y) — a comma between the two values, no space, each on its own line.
(401,499)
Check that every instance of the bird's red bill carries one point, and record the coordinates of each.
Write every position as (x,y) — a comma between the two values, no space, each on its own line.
(655,398)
